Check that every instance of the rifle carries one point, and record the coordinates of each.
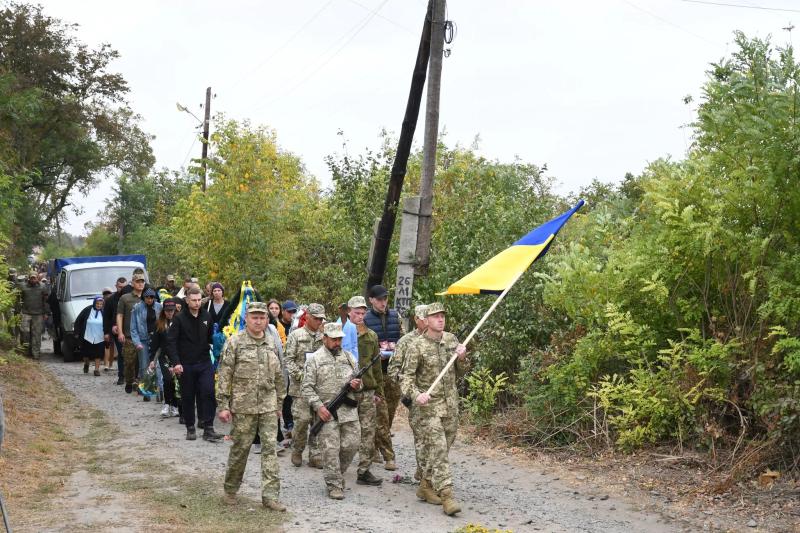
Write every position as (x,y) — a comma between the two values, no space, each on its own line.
(341,398)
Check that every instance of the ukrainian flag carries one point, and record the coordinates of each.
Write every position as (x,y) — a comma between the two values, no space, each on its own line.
(499,272)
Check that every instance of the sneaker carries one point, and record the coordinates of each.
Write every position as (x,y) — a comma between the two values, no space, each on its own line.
(368,479)
(128,388)
(274,505)
(165,411)
(191,433)
(335,493)
(173,411)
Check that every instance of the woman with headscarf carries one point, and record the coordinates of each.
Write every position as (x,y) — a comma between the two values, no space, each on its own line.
(89,331)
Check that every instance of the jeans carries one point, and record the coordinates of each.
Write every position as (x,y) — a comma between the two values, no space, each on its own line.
(197,381)
(144,360)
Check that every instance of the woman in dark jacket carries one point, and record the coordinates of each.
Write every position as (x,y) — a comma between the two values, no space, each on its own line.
(158,352)
(217,304)
(89,331)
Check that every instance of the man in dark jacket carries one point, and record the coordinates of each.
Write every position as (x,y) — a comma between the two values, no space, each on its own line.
(385,323)
(188,342)
(110,326)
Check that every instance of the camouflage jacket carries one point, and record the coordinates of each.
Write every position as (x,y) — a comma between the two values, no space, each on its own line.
(300,342)
(424,360)
(368,348)
(34,299)
(250,375)
(396,362)
(323,378)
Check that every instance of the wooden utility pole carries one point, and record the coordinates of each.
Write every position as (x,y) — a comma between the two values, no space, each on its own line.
(206,122)
(423,250)
(379,253)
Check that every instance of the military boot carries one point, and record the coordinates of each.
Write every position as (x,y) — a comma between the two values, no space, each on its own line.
(297,458)
(335,493)
(274,505)
(368,479)
(315,462)
(449,504)
(230,499)
(426,492)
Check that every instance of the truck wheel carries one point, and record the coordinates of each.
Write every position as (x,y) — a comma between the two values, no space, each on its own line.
(68,348)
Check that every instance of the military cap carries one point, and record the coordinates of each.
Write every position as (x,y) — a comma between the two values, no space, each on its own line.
(356,301)
(419,311)
(333,330)
(316,310)
(138,277)
(257,307)
(33,274)
(170,277)
(434,308)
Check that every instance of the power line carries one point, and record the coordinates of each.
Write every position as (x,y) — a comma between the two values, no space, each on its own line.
(668,22)
(356,29)
(725,4)
(387,19)
(280,48)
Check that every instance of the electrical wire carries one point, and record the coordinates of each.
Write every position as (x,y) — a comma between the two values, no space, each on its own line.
(353,31)
(725,4)
(669,23)
(387,19)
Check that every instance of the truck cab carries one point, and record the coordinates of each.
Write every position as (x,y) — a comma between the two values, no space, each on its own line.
(77,280)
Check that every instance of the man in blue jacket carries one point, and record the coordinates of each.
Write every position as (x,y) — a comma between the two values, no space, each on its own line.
(143,325)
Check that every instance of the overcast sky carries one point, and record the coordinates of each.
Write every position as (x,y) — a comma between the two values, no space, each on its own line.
(593,89)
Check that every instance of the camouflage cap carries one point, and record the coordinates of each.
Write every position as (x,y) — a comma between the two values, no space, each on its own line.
(419,311)
(170,277)
(356,301)
(33,274)
(333,330)
(316,310)
(257,307)
(138,277)
(434,308)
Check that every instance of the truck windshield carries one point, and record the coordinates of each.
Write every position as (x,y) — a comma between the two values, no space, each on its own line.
(90,281)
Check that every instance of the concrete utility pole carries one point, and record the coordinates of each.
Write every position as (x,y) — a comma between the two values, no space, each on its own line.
(431,139)
(206,122)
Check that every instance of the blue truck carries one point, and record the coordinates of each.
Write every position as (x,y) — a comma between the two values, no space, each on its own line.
(76,281)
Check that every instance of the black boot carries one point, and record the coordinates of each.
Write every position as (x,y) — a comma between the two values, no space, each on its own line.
(209,435)
(191,434)
(368,479)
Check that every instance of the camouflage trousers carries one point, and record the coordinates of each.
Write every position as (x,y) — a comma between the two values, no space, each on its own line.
(392,395)
(419,449)
(438,434)
(366,419)
(339,443)
(130,357)
(31,327)
(243,432)
(301,412)
(383,438)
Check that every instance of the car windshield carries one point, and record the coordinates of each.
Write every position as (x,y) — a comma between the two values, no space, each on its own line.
(90,281)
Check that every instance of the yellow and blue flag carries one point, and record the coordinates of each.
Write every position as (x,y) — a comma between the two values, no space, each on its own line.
(496,274)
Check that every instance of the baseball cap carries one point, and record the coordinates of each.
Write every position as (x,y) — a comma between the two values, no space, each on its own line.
(138,277)
(378,291)
(420,310)
(356,301)
(434,308)
(316,310)
(170,277)
(149,293)
(107,290)
(257,307)
(333,330)
(169,303)
(289,305)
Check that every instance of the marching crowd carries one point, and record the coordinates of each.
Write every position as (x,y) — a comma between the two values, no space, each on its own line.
(277,376)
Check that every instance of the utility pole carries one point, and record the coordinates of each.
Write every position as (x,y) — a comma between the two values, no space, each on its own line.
(376,266)
(206,121)
(431,140)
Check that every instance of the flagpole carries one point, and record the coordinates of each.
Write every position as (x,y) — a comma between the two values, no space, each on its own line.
(475,330)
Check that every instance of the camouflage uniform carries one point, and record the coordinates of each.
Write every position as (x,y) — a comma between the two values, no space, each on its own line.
(251,386)
(396,364)
(339,439)
(372,386)
(299,343)
(33,307)
(437,421)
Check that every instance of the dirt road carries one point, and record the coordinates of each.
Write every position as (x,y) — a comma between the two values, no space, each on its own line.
(503,493)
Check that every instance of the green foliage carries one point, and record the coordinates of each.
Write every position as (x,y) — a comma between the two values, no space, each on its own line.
(483,390)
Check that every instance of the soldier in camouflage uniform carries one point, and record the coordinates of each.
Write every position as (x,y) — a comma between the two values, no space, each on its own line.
(326,371)
(33,311)
(300,343)
(396,364)
(250,390)
(372,390)
(435,415)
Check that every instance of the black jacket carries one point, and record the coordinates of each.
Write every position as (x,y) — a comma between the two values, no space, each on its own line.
(159,341)
(189,338)
(216,317)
